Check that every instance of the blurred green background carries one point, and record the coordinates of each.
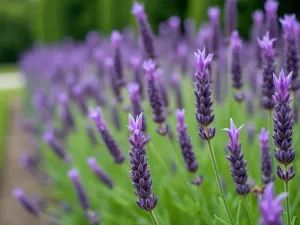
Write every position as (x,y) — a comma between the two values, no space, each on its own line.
(23,22)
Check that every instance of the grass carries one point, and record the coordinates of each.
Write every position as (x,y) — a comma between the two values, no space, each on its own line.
(8,68)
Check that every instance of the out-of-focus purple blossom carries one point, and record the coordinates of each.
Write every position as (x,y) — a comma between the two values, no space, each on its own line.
(73,174)
(163,86)
(214,17)
(25,202)
(271,7)
(108,139)
(91,134)
(30,162)
(230,16)
(236,159)
(185,143)
(182,52)
(175,80)
(189,30)
(66,116)
(289,24)
(145,30)
(31,126)
(98,171)
(268,58)
(266,164)
(283,126)
(258,32)
(203,91)
(136,64)
(79,95)
(115,115)
(270,207)
(251,132)
(92,217)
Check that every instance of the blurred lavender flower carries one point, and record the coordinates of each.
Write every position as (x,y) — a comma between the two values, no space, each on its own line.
(250,132)
(270,207)
(115,115)
(163,87)
(265,157)
(92,217)
(214,17)
(185,143)
(136,65)
(91,134)
(31,126)
(189,30)
(109,141)
(145,30)
(174,23)
(66,116)
(79,94)
(283,126)
(98,171)
(237,162)
(140,173)
(182,52)
(289,24)
(203,90)
(154,94)
(25,202)
(175,80)
(271,7)
(268,57)
(230,16)
(257,32)
(133,89)
(81,195)
(113,81)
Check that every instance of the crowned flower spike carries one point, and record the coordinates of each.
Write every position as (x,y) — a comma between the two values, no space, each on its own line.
(28,205)
(108,139)
(202,63)
(289,24)
(268,58)
(140,173)
(270,207)
(282,85)
(237,162)
(81,195)
(185,143)
(265,157)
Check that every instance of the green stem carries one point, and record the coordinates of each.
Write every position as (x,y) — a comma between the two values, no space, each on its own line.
(153,218)
(287,201)
(248,210)
(215,167)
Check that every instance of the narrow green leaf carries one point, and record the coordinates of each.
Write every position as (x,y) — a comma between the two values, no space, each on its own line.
(238,214)
(218,218)
(293,220)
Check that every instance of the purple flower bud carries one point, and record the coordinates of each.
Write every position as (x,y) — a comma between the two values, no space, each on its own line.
(108,139)
(98,171)
(203,90)
(271,7)
(214,15)
(185,143)
(174,22)
(230,16)
(154,93)
(81,195)
(236,159)
(270,207)
(145,30)
(265,157)
(140,173)
(283,122)
(289,25)
(28,205)
(116,39)
(268,58)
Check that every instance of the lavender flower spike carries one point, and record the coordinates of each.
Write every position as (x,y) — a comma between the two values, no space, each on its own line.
(98,171)
(237,162)
(289,24)
(283,126)
(270,207)
(203,90)
(257,32)
(230,16)
(134,94)
(145,30)
(185,143)
(109,141)
(271,7)
(268,58)
(81,195)
(140,173)
(265,157)
(154,95)
(116,39)
(214,17)
(19,194)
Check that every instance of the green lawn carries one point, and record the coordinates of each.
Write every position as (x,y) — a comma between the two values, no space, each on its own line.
(8,67)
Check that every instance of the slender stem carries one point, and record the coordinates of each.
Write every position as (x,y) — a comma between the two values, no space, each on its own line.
(215,167)
(248,210)
(287,199)
(153,218)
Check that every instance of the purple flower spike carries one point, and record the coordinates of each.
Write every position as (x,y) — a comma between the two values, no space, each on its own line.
(265,157)
(231,16)
(185,143)
(145,30)
(175,79)
(270,207)
(78,93)
(154,93)
(66,116)
(203,91)
(108,139)
(214,17)
(258,32)
(98,171)
(268,59)
(174,22)
(28,205)
(134,94)
(136,64)
(81,195)
(283,126)
(140,173)
(271,7)
(236,159)
(289,24)
(116,39)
